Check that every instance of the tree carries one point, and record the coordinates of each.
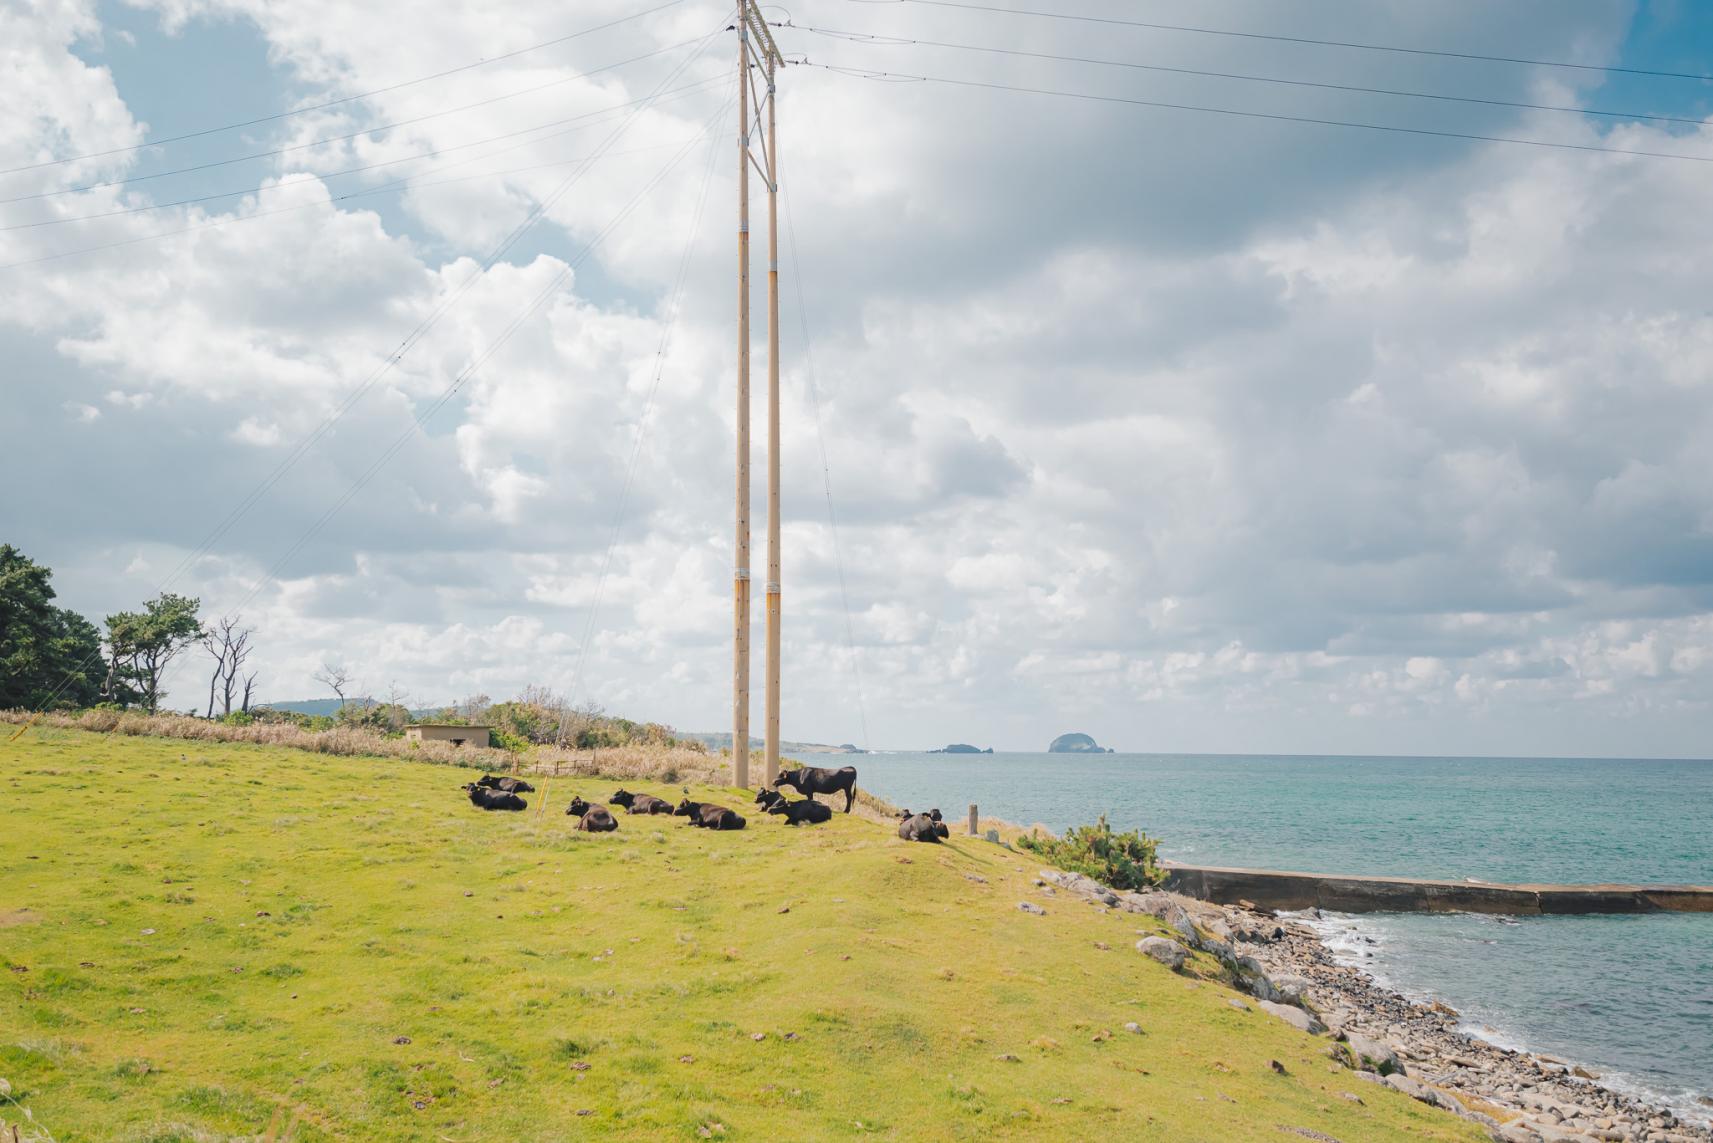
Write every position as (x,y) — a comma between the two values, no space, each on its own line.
(249,689)
(140,645)
(336,678)
(229,643)
(48,655)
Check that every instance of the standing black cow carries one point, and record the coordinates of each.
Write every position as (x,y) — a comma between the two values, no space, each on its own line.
(812,780)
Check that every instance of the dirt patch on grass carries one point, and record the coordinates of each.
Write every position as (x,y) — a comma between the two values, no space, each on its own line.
(12,917)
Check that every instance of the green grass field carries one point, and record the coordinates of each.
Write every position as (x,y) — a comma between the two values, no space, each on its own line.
(203,939)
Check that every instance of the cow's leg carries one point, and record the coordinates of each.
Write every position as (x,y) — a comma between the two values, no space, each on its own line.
(850,796)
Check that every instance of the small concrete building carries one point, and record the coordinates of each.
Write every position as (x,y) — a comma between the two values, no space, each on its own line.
(441,732)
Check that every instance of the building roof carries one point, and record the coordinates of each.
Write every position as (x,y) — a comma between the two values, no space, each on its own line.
(448,726)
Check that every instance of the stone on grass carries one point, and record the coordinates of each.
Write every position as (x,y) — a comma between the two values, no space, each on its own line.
(1292,1015)
(1163,949)
(1031,907)
(1372,1055)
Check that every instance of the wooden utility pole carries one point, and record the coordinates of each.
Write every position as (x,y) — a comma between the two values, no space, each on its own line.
(773,597)
(740,573)
(756,50)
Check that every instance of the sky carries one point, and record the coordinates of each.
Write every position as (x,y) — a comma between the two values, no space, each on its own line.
(1195,432)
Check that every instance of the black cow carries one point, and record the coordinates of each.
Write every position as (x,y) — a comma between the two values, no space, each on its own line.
(706,815)
(640,803)
(597,819)
(767,799)
(812,780)
(921,827)
(509,785)
(796,813)
(487,799)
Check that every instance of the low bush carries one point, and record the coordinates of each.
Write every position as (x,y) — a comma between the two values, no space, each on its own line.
(1126,860)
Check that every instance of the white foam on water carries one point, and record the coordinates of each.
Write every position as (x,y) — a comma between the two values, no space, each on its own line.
(1360,941)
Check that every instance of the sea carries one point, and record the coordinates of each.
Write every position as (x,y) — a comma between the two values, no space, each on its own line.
(1628,997)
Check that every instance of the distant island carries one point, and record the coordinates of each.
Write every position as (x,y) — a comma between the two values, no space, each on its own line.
(1075,743)
(962,748)
(722,740)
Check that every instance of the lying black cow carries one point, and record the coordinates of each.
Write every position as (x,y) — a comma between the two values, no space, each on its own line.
(640,803)
(921,827)
(767,799)
(706,815)
(509,785)
(591,818)
(487,799)
(797,813)
(812,780)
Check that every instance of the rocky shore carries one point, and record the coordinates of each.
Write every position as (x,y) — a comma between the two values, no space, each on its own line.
(1381,1036)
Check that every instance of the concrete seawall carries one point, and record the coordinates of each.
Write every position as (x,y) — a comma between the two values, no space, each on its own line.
(1272,889)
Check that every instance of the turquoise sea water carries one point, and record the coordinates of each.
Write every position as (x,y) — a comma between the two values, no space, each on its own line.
(1629,997)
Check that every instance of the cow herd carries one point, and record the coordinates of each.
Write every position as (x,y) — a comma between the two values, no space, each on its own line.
(492,792)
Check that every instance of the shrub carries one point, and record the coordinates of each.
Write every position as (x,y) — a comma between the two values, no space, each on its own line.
(238,718)
(502,740)
(1122,860)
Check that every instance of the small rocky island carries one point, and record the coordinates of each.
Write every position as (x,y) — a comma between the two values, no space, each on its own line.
(1075,743)
(962,748)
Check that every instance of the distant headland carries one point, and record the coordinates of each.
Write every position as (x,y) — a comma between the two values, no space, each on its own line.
(961,748)
(1076,743)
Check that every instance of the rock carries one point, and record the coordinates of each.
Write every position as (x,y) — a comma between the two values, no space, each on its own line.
(1075,743)
(1293,1016)
(1289,988)
(1031,907)
(1163,949)
(1238,1004)
(1133,1028)
(1371,1055)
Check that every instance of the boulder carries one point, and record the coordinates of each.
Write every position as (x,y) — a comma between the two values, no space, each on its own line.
(1293,1016)
(1031,907)
(1168,952)
(1372,1055)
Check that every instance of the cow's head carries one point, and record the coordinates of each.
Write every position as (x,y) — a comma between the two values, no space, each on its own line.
(789,778)
(622,798)
(685,808)
(578,807)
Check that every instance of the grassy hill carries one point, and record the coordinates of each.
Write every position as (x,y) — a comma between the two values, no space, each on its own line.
(203,938)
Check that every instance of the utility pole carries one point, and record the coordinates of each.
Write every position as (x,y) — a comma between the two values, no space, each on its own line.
(756,50)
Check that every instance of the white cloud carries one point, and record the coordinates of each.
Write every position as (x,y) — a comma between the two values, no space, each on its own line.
(1197,432)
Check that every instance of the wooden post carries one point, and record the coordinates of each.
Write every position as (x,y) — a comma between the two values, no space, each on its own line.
(740,572)
(773,597)
(974,819)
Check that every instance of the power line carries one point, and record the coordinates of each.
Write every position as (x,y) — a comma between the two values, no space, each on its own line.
(417,334)
(826,469)
(901,77)
(347,98)
(314,176)
(410,340)
(468,372)
(880,40)
(1350,44)
(350,135)
(674,300)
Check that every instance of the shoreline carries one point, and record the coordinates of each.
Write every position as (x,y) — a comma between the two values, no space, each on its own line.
(1286,963)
